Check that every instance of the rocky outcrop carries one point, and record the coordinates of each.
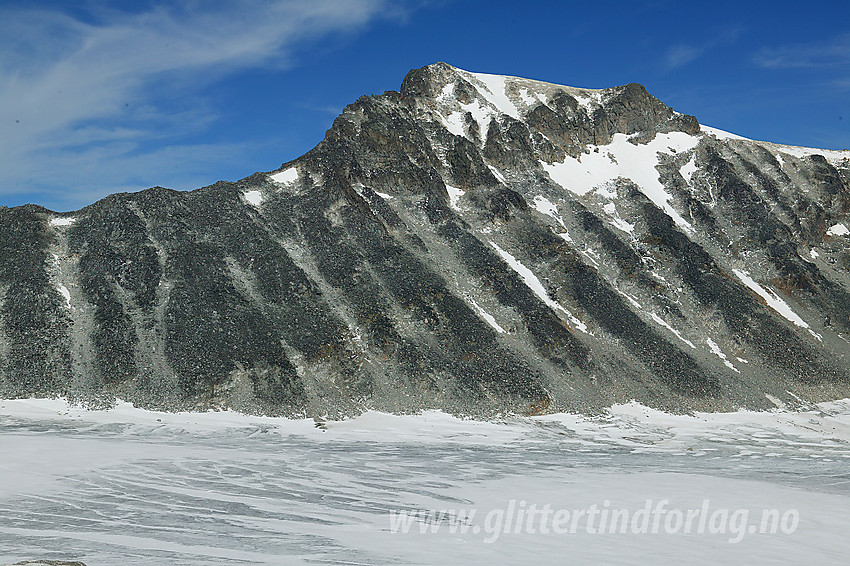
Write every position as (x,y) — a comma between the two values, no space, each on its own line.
(475,243)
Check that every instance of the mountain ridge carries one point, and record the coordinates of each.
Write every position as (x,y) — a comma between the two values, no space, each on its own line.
(472,242)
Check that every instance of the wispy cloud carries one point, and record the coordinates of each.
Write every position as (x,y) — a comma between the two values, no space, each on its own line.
(682,54)
(830,53)
(66,85)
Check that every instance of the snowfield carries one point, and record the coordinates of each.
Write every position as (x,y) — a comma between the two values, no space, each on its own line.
(622,158)
(127,486)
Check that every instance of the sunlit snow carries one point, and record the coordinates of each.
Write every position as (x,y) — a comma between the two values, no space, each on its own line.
(494,92)
(606,190)
(481,114)
(631,299)
(588,99)
(286,176)
(62,221)
(135,487)
(838,230)
(486,316)
(678,335)
(453,123)
(715,349)
(527,97)
(536,286)
(547,207)
(722,135)
(622,158)
(254,198)
(832,155)
(63,290)
(454,196)
(774,301)
(611,209)
(688,169)
(497,173)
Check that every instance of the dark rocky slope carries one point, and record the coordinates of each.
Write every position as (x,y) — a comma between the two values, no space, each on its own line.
(474,243)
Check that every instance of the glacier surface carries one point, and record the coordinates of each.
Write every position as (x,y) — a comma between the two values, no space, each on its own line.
(138,487)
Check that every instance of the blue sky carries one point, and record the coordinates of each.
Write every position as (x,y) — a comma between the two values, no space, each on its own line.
(99,97)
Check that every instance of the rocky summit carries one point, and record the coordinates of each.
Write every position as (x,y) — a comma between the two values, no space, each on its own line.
(476,243)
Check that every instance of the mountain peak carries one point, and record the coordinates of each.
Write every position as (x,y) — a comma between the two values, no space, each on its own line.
(476,243)
(462,99)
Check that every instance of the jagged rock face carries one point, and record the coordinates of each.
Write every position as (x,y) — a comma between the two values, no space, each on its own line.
(475,243)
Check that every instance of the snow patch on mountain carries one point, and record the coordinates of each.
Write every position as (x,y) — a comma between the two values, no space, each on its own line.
(481,114)
(722,135)
(66,294)
(678,335)
(67,221)
(611,209)
(688,169)
(286,176)
(547,207)
(254,198)
(831,155)
(587,98)
(606,190)
(485,315)
(496,85)
(530,98)
(496,173)
(623,159)
(715,349)
(838,230)
(453,123)
(631,299)
(454,196)
(774,301)
(536,286)
(57,278)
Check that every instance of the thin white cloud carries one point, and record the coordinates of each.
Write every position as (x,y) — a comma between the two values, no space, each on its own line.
(66,84)
(679,55)
(683,54)
(831,53)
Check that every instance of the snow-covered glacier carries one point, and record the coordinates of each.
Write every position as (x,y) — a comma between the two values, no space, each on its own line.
(127,486)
